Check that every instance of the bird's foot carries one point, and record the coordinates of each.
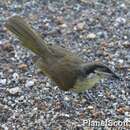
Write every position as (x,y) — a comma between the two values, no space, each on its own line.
(89,97)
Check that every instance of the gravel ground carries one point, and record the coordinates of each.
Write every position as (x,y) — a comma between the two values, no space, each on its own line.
(97,30)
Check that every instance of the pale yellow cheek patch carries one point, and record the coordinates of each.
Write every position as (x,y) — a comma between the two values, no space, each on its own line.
(87,83)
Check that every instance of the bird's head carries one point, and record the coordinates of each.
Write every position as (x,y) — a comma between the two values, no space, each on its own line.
(99,69)
(91,74)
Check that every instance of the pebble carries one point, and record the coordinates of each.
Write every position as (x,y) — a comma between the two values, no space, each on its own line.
(48,84)
(129,100)
(85,1)
(63,25)
(102,34)
(8,47)
(60,20)
(90,107)
(66,98)
(91,36)
(123,6)
(126,44)
(129,103)
(112,97)
(119,21)
(21,98)
(4,127)
(3,81)
(127,114)
(22,66)
(79,26)
(14,91)
(29,83)
(34,109)
(121,61)
(15,76)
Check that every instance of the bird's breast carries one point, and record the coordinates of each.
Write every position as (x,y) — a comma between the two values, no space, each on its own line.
(86,83)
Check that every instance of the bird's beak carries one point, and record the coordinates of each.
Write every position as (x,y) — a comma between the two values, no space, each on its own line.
(107,74)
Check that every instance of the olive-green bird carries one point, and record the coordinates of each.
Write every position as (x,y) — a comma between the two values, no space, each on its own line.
(65,68)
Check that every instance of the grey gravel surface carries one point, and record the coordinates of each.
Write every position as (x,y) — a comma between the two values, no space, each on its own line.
(97,30)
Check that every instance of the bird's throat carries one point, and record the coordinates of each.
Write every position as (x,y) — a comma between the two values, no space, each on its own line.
(87,83)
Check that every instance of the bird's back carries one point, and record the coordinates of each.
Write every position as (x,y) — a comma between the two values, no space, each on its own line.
(62,66)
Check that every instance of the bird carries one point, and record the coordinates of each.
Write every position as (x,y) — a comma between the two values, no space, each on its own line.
(66,69)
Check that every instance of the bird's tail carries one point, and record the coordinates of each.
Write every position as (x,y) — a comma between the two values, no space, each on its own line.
(30,39)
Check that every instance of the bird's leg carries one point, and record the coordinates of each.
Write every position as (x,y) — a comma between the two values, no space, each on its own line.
(65,103)
(88,96)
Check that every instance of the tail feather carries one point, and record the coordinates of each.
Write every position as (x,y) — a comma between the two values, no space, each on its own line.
(30,39)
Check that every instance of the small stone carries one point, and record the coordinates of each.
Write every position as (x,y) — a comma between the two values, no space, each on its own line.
(119,21)
(121,61)
(102,34)
(22,66)
(48,84)
(123,92)
(90,107)
(14,91)
(97,114)
(8,47)
(29,83)
(100,95)
(91,36)
(129,100)
(15,77)
(123,6)
(113,97)
(121,110)
(79,26)
(21,98)
(4,127)
(51,8)
(110,96)
(127,114)
(3,81)
(66,98)
(63,25)
(60,19)
(125,37)
(86,1)
(35,109)
(129,103)
(126,44)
